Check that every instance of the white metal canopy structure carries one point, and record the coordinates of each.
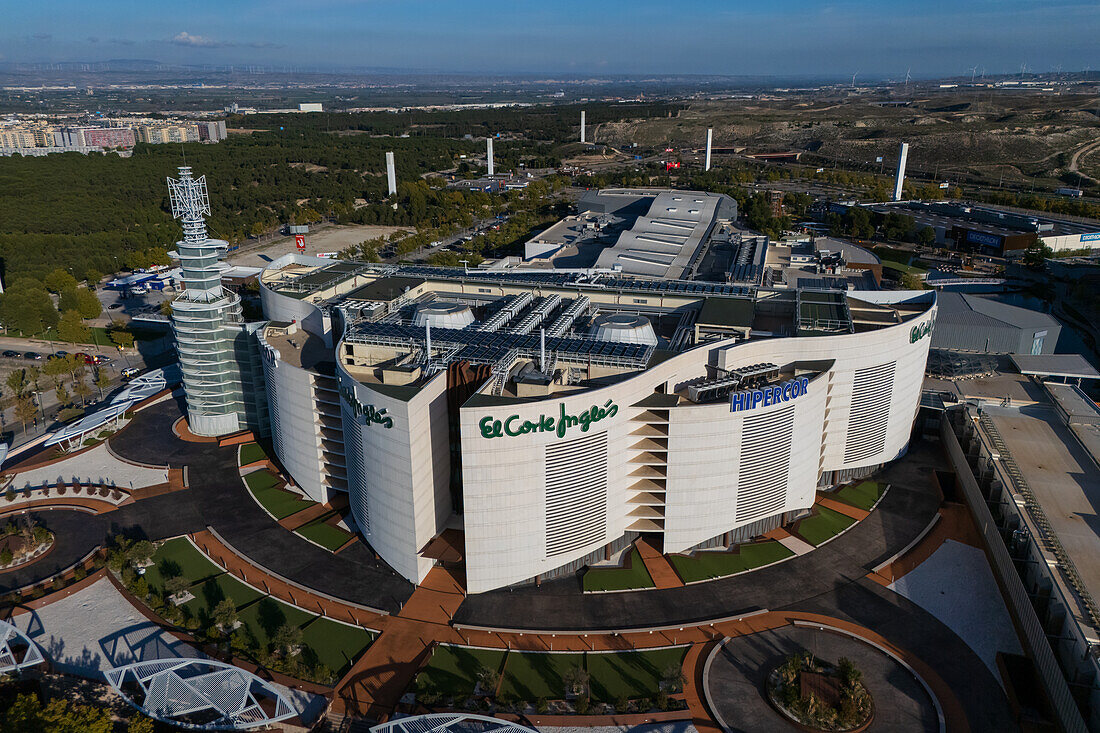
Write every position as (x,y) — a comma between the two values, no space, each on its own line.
(201,694)
(138,389)
(450,723)
(17,651)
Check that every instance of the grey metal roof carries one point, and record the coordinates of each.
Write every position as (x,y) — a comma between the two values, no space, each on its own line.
(974,310)
(1055,365)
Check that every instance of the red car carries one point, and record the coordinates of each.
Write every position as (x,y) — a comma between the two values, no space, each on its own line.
(87,358)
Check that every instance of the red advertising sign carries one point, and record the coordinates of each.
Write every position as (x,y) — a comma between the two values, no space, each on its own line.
(670,166)
(300,242)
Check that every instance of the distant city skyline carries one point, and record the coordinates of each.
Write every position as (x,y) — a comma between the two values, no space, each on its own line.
(786,38)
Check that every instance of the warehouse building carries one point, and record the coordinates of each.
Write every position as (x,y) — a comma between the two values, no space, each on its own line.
(976,324)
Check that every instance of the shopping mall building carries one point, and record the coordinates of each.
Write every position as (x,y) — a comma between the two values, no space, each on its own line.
(551,418)
(534,421)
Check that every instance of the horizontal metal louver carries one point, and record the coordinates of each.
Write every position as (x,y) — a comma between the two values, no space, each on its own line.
(576,493)
(872,390)
(765,464)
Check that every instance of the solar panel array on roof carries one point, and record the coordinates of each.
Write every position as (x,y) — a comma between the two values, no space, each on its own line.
(486,346)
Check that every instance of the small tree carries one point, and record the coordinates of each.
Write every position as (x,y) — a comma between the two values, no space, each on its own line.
(6,556)
(82,389)
(17,382)
(287,639)
(488,678)
(71,328)
(926,236)
(176,585)
(576,681)
(102,381)
(140,552)
(25,410)
(225,615)
(672,677)
(121,338)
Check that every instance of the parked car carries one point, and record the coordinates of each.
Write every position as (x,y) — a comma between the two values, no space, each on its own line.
(58,355)
(101,359)
(114,306)
(32,355)
(9,354)
(86,358)
(130,372)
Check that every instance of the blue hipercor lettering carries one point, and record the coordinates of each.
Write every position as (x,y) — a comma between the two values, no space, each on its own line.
(773,394)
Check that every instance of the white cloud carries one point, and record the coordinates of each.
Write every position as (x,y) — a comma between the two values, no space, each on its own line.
(183,38)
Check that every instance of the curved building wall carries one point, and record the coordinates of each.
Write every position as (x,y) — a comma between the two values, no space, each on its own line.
(280,307)
(688,471)
(398,463)
(295,422)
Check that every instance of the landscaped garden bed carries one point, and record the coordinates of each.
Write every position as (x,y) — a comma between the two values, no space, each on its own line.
(864,494)
(251,452)
(22,542)
(631,576)
(708,564)
(280,503)
(182,586)
(823,525)
(323,532)
(819,695)
(557,683)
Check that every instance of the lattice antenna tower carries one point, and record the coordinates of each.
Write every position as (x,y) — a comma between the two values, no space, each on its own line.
(190,203)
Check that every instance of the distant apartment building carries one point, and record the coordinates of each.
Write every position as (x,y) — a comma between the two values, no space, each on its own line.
(41,138)
(16,138)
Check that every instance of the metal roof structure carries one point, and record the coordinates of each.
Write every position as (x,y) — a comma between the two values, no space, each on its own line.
(17,651)
(1072,366)
(201,694)
(138,389)
(450,723)
(981,312)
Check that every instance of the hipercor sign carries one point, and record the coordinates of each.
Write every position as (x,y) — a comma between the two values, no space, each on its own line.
(773,394)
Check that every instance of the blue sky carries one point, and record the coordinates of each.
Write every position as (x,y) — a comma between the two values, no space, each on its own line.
(782,37)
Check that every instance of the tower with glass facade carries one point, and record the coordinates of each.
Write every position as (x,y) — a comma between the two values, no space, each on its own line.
(215,348)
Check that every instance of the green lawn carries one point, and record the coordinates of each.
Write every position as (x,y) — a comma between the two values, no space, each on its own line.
(252,452)
(453,670)
(636,576)
(265,617)
(630,674)
(902,268)
(825,523)
(531,675)
(862,495)
(336,645)
(212,592)
(280,503)
(179,557)
(327,536)
(713,564)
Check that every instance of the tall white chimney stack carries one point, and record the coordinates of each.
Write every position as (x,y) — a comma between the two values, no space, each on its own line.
(489,153)
(901,171)
(391,174)
(582,125)
(710,140)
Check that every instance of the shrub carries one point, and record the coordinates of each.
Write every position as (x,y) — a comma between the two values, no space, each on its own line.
(10,494)
(80,573)
(140,587)
(58,583)
(581,704)
(6,556)
(621,704)
(542,706)
(41,535)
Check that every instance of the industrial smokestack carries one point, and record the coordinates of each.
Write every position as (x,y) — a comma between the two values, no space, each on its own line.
(391,174)
(710,139)
(901,171)
(489,153)
(582,125)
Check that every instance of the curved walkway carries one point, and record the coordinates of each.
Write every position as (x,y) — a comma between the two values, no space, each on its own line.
(830,581)
(735,681)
